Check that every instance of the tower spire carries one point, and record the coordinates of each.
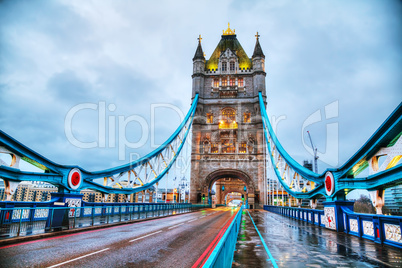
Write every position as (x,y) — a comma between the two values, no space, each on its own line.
(199,54)
(257,49)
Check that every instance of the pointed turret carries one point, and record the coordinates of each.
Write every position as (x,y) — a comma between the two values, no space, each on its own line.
(199,54)
(198,68)
(257,49)
(258,67)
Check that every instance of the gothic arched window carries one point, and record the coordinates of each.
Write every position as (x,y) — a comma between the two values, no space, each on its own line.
(228,119)
(224,66)
(232,66)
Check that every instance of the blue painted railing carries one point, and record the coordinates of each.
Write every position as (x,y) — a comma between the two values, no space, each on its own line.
(18,217)
(222,256)
(378,228)
(313,216)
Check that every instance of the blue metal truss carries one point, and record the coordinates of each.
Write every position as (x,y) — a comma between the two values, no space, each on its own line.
(126,179)
(301,182)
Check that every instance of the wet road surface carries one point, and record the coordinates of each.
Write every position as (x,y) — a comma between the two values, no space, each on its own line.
(294,243)
(176,241)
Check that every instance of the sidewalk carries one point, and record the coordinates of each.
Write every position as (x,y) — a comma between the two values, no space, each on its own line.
(294,243)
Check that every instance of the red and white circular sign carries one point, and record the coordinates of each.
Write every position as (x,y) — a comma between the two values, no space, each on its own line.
(329,183)
(74,178)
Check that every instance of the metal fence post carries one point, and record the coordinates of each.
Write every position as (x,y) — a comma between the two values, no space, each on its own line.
(51,219)
(93,216)
(19,226)
(75,217)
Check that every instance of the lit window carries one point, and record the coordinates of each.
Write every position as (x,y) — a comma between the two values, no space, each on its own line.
(224,82)
(206,146)
(216,82)
(232,82)
(242,148)
(228,119)
(232,66)
(210,118)
(240,82)
(247,117)
(214,148)
(224,66)
(228,146)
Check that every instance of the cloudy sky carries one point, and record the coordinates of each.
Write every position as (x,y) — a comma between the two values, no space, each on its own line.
(128,55)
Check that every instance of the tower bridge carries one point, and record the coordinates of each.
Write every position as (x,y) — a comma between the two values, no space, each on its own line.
(228,134)
(231,140)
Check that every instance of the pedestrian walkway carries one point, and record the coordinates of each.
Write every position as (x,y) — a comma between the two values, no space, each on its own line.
(294,243)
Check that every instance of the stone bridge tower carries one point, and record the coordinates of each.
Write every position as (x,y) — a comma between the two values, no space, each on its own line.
(227,129)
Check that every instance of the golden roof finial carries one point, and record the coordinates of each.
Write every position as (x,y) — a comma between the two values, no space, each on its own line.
(229,31)
(199,39)
(257,36)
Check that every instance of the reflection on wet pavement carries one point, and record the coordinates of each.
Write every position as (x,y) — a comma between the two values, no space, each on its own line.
(295,243)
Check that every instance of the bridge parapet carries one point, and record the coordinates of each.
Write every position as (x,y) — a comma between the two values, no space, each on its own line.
(378,228)
(23,218)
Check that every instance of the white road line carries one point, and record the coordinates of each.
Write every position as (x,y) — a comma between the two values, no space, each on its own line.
(201,217)
(193,220)
(144,236)
(96,252)
(175,225)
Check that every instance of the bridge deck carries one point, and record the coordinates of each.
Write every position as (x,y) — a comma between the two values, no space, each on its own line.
(177,241)
(294,243)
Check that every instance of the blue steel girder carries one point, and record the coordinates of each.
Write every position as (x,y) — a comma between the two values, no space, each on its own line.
(297,180)
(130,178)
(303,183)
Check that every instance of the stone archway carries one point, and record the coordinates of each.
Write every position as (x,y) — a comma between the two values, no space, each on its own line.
(216,176)
(232,195)
(235,173)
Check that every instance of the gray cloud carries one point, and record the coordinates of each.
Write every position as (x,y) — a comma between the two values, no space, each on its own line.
(67,86)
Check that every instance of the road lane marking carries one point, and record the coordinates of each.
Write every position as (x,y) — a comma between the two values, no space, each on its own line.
(93,253)
(144,236)
(201,217)
(193,220)
(105,228)
(271,258)
(174,226)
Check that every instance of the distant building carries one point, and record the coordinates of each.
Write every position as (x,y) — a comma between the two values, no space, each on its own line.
(306,202)
(393,199)
(308,165)
(33,192)
(29,191)
(2,191)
